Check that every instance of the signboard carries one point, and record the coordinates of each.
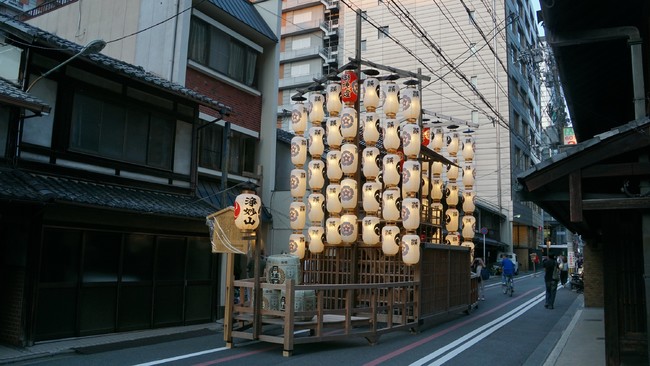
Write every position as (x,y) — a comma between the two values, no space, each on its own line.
(569,136)
(572,260)
(224,235)
(484,230)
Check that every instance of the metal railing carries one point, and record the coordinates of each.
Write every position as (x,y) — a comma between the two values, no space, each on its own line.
(45,8)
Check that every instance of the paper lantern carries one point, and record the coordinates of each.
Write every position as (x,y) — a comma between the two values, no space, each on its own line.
(247,212)
(299,118)
(391,102)
(452,170)
(316,144)
(297,215)
(391,169)
(390,240)
(298,183)
(349,193)
(349,87)
(452,143)
(468,202)
(371,231)
(438,139)
(410,100)
(451,219)
(426,134)
(349,159)
(392,139)
(469,227)
(316,239)
(370,94)
(410,135)
(334,137)
(436,169)
(370,162)
(349,124)
(452,239)
(468,148)
(411,213)
(436,189)
(371,196)
(332,230)
(334,104)
(410,245)
(436,212)
(349,228)
(424,192)
(468,175)
(411,177)
(297,245)
(316,112)
(298,151)
(316,205)
(334,171)
(451,191)
(371,128)
(316,172)
(333,198)
(391,204)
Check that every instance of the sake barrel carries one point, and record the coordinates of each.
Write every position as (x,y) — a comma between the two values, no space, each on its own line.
(305,301)
(283,267)
(270,299)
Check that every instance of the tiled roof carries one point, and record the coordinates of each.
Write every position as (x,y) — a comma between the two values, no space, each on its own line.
(20,185)
(13,26)
(12,95)
(245,12)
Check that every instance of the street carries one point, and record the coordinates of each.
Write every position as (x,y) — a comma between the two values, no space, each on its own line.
(503,330)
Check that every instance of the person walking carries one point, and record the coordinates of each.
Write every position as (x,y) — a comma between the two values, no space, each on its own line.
(551,277)
(477,268)
(564,271)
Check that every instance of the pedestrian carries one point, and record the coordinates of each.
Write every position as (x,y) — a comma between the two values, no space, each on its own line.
(564,271)
(551,278)
(477,268)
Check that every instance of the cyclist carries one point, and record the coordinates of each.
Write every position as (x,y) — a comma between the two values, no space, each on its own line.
(508,271)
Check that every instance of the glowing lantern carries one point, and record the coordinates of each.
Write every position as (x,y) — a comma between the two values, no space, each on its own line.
(391,170)
(349,228)
(334,137)
(332,230)
(468,175)
(333,193)
(349,159)
(316,238)
(298,151)
(468,202)
(371,128)
(349,87)
(298,183)
(451,219)
(391,102)
(436,169)
(370,162)
(410,245)
(370,91)
(469,227)
(371,196)
(390,240)
(349,193)
(411,213)
(452,170)
(391,135)
(316,145)
(334,171)
(410,100)
(316,112)
(316,171)
(299,116)
(371,232)
(426,134)
(452,239)
(436,189)
(452,143)
(468,148)
(333,89)
(425,185)
(297,245)
(391,204)
(410,134)
(411,177)
(247,212)
(438,139)
(316,203)
(452,194)
(349,125)
(297,214)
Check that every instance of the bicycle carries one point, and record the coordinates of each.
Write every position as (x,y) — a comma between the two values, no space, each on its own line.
(509,286)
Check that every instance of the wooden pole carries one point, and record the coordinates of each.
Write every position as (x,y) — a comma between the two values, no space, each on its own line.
(230,300)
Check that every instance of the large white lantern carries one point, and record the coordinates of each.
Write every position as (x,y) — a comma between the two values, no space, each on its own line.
(247,212)
(468,175)
(334,171)
(468,148)
(391,169)
(468,202)
(334,137)
(469,227)
(349,159)
(425,184)
(297,215)
(391,134)
(297,244)
(371,196)
(299,116)
(349,228)
(410,100)
(452,143)
(298,183)
(333,196)
(371,128)
(411,139)
(390,240)
(316,144)
(410,245)
(370,162)
(452,238)
(391,204)
(298,151)
(452,194)
(370,91)
(436,169)
(411,177)
(316,206)
(333,230)
(437,189)
(349,193)
(411,213)
(391,102)
(349,124)
(316,112)
(334,103)
(452,170)
(371,231)
(316,172)
(451,219)
(316,239)
(438,139)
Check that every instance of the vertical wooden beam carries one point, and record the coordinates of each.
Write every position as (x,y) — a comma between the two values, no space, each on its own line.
(575,196)
(230,300)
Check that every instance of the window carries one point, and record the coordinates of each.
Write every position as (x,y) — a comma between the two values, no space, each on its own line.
(301,43)
(382,32)
(363,45)
(299,69)
(210,144)
(219,51)
(472,19)
(121,132)
(10,65)
(241,152)
(302,17)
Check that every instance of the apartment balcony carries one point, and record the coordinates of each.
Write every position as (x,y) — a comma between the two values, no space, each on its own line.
(330,28)
(297,81)
(300,54)
(330,4)
(329,54)
(303,27)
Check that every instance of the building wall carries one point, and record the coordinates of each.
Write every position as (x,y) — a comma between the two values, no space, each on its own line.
(594,260)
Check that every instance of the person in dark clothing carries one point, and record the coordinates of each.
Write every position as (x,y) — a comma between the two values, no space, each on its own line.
(551,271)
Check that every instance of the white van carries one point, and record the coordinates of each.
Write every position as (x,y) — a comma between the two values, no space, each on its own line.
(513,258)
